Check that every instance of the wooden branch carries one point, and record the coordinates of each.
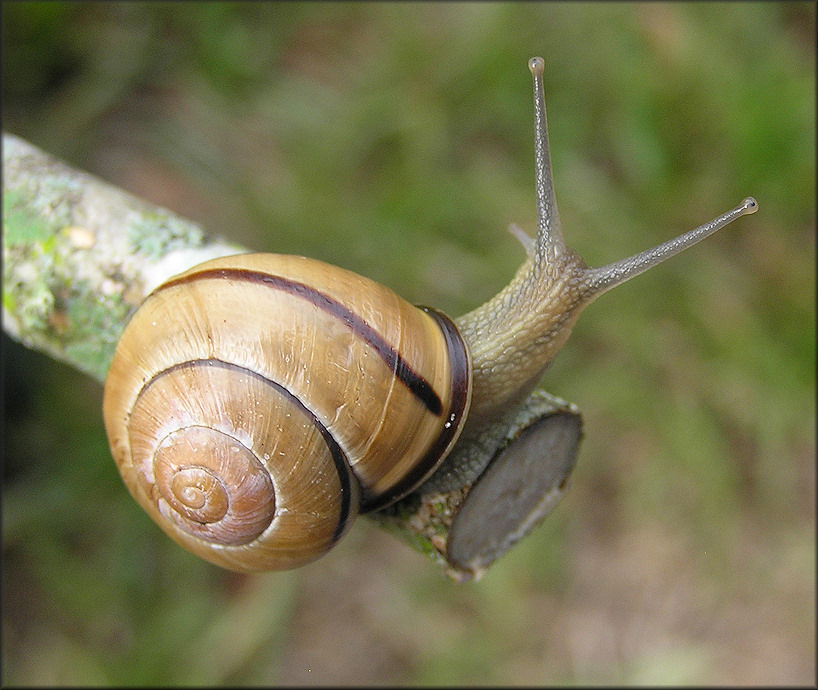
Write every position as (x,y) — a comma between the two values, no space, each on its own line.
(80,255)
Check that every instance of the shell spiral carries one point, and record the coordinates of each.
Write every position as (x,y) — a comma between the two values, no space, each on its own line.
(256,403)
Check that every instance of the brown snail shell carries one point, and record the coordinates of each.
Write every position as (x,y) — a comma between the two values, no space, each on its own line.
(257,402)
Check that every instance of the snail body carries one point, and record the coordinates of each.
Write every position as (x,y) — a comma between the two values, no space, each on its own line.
(257,403)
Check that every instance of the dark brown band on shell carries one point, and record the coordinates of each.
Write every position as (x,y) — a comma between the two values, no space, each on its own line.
(419,387)
(460,365)
(338,456)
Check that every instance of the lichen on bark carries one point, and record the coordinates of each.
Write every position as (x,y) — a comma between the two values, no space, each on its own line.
(79,255)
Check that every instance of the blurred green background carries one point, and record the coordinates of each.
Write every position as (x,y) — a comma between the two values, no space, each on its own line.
(397,140)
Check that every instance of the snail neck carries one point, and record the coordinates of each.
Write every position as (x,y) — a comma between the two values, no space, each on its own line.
(515,335)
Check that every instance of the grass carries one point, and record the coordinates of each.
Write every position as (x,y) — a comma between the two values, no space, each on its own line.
(396,140)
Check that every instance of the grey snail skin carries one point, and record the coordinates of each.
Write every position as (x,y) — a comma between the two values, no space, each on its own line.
(257,403)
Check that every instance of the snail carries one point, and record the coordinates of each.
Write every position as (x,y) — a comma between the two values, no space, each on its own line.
(257,403)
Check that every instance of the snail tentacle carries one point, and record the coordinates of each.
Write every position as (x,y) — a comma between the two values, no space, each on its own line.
(602,279)
(550,243)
